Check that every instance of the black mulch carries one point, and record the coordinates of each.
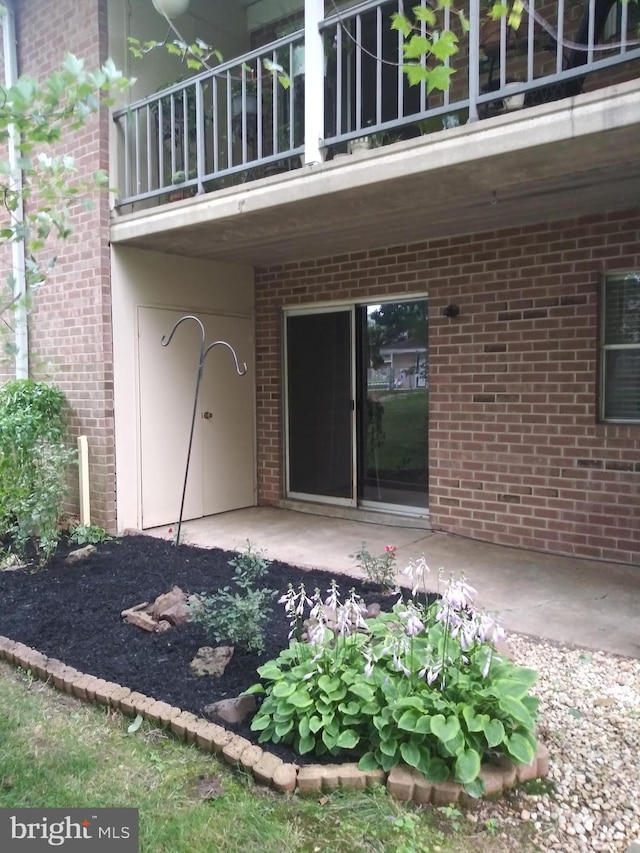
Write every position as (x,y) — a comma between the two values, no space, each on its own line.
(73,613)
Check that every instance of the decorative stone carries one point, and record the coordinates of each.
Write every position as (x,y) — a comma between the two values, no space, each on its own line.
(210,661)
(140,619)
(310,779)
(232,751)
(285,777)
(493,779)
(351,778)
(446,793)
(80,554)
(373,610)
(232,710)
(180,722)
(171,606)
(423,789)
(401,782)
(265,768)
(251,756)
(542,760)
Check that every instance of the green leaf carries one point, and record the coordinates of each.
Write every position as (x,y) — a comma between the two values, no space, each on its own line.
(467,766)
(417,47)
(409,721)
(424,13)
(401,23)
(363,691)
(260,723)
(475,788)
(270,671)
(520,749)
(410,753)
(348,739)
(368,762)
(445,729)
(301,699)
(135,725)
(303,727)
(284,728)
(439,78)
(255,688)
(437,770)
(306,744)
(315,723)
(283,689)
(494,732)
(389,746)
(516,710)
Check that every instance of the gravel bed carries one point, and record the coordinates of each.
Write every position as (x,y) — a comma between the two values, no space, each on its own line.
(590,720)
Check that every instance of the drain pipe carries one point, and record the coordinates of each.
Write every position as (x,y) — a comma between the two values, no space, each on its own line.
(16,184)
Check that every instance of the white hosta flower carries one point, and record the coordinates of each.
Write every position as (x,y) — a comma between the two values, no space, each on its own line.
(433,672)
(333,598)
(316,634)
(417,571)
(488,629)
(410,617)
(459,594)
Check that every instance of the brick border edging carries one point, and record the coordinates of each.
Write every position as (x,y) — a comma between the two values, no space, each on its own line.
(402,782)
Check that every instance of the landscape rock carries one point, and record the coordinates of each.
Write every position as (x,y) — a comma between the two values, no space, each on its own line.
(373,610)
(171,606)
(141,619)
(212,661)
(231,710)
(80,554)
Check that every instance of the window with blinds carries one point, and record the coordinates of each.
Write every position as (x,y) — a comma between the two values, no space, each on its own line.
(620,356)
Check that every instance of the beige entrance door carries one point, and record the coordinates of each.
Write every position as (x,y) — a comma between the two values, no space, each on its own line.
(221,472)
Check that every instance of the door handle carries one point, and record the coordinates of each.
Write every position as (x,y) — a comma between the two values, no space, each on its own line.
(207,416)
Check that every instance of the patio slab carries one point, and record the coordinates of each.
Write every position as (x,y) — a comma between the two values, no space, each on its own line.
(568,600)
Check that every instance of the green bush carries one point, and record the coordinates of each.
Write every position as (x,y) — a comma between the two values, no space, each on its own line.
(422,685)
(34,461)
(238,617)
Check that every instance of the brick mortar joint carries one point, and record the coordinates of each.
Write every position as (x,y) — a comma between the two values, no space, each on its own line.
(402,782)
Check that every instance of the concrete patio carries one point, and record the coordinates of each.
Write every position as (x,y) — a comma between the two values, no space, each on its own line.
(571,601)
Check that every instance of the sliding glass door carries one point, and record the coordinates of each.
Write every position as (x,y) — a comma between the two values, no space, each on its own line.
(320,404)
(357,405)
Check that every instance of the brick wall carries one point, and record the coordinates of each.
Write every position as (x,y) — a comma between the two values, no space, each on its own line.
(70,327)
(516,455)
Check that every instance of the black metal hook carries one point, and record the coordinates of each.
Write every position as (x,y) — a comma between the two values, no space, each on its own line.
(165,341)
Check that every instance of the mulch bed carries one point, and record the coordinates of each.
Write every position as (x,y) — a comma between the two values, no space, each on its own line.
(72,612)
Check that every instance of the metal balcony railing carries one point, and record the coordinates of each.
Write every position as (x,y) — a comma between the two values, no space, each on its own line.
(237,122)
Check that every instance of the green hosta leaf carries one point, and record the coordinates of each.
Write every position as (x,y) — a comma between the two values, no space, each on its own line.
(494,732)
(514,689)
(520,749)
(475,788)
(306,744)
(315,723)
(444,729)
(368,762)
(329,740)
(475,723)
(388,762)
(515,709)
(303,727)
(348,739)
(423,726)
(283,689)
(409,721)
(389,746)
(410,753)
(260,723)
(437,770)
(410,702)
(301,699)
(363,691)
(270,671)
(284,728)
(467,766)
(255,688)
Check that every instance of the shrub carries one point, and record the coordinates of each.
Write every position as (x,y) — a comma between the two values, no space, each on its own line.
(33,466)
(88,534)
(422,684)
(378,568)
(238,616)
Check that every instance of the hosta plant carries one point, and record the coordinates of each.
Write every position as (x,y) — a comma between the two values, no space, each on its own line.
(422,684)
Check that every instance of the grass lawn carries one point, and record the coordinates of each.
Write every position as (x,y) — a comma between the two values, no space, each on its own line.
(405,424)
(58,751)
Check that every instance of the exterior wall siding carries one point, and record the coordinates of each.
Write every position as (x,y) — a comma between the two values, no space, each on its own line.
(516,453)
(70,326)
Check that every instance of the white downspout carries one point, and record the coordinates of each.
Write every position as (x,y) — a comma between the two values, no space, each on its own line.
(16,183)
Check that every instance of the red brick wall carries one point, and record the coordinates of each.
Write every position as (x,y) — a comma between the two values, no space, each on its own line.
(516,455)
(70,328)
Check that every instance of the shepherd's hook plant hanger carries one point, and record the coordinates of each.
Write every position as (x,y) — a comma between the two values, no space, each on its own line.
(204,352)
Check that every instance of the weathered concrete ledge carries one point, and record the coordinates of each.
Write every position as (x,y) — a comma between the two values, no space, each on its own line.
(403,783)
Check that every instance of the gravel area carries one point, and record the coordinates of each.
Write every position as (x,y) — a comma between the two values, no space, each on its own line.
(590,720)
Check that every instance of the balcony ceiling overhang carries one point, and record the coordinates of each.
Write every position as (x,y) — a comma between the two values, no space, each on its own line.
(556,161)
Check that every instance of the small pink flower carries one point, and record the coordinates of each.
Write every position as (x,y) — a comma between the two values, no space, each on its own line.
(170,530)
(389,548)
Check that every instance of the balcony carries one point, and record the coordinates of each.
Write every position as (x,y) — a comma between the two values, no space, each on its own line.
(237,123)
